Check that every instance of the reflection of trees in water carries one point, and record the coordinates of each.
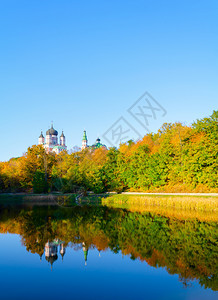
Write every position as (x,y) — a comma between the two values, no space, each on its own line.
(185,281)
(187,248)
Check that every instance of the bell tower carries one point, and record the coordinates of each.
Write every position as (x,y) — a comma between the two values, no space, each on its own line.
(84,140)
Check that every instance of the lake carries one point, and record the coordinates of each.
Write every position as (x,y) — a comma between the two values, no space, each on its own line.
(102,252)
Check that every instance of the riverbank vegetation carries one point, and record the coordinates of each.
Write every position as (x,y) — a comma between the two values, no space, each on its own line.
(178,158)
(191,203)
(180,207)
(202,208)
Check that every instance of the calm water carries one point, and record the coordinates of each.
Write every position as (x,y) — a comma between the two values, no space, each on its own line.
(96,252)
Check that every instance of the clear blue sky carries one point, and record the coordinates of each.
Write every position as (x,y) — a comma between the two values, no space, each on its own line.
(82,64)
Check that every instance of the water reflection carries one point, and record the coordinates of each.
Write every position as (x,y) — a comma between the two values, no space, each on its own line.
(184,247)
(51,251)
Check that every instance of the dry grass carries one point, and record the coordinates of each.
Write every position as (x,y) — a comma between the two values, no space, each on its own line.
(179,188)
(180,207)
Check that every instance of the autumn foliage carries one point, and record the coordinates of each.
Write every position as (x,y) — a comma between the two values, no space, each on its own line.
(178,158)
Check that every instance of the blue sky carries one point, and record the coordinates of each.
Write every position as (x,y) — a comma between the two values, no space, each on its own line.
(82,64)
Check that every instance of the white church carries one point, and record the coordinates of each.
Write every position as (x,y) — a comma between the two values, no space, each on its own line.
(50,142)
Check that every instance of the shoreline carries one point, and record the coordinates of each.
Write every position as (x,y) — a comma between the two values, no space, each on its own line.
(175,204)
(172,194)
(114,193)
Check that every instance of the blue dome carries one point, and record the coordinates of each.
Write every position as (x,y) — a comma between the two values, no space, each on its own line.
(51,131)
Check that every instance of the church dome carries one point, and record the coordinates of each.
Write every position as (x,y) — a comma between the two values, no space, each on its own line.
(51,259)
(98,144)
(51,131)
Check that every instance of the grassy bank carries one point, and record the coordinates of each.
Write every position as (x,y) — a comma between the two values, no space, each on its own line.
(199,203)
(204,208)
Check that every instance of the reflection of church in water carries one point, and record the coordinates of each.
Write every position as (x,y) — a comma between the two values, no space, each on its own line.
(51,251)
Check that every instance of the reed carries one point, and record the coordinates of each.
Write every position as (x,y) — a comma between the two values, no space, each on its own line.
(180,207)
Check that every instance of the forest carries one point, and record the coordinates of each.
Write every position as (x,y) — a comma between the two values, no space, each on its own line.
(178,158)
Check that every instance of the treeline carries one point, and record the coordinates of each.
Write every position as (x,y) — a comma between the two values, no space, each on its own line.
(187,248)
(178,158)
